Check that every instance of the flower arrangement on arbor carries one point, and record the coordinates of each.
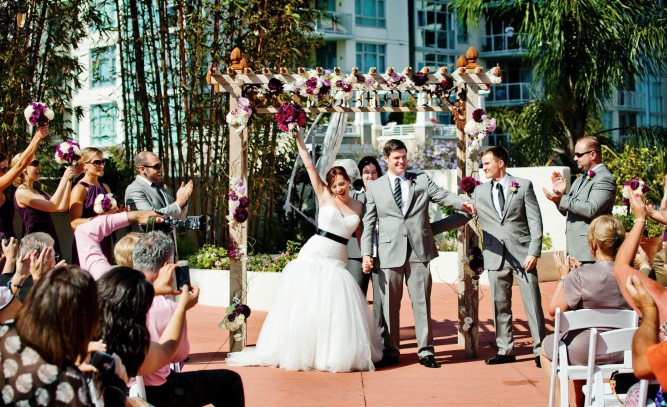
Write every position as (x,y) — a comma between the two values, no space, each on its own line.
(240,117)
(477,129)
(105,203)
(238,202)
(475,262)
(290,113)
(237,314)
(38,114)
(468,185)
(68,153)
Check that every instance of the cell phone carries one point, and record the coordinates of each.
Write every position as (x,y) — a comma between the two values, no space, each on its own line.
(183,274)
(102,361)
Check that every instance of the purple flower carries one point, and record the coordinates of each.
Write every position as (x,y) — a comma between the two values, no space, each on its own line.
(477,115)
(468,184)
(233,196)
(347,87)
(644,188)
(591,174)
(241,215)
(231,317)
(625,201)
(419,78)
(243,103)
(492,125)
(244,202)
(634,184)
(339,84)
(514,184)
(275,85)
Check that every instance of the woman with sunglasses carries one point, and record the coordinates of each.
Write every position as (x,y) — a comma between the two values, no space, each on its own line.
(82,202)
(35,206)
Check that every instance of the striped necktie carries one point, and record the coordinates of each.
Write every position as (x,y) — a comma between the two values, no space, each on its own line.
(398,194)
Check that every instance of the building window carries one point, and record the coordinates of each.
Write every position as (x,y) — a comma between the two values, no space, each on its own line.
(371,55)
(103,124)
(103,66)
(326,55)
(434,59)
(502,36)
(107,11)
(516,85)
(655,96)
(370,13)
(435,25)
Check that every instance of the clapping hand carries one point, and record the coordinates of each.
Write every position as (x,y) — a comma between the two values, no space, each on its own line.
(558,187)
(184,193)
(10,249)
(562,267)
(637,206)
(638,293)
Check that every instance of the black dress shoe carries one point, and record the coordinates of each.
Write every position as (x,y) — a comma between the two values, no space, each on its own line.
(538,363)
(386,361)
(429,361)
(500,359)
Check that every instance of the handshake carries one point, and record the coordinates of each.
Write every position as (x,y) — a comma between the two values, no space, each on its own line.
(367,263)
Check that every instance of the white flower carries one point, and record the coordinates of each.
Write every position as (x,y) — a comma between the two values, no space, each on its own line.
(42,396)
(13,344)
(3,330)
(64,392)
(47,373)
(467,320)
(97,207)
(24,383)
(29,357)
(23,403)
(465,327)
(7,394)
(83,395)
(10,367)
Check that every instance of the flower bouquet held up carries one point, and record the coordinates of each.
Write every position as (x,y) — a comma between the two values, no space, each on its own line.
(290,113)
(68,153)
(634,186)
(105,203)
(38,114)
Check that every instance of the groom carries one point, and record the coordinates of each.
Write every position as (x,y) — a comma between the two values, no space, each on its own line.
(398,201)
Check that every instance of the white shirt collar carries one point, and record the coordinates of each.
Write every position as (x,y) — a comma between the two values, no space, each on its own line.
(597,167)
(504,181)
(392,177)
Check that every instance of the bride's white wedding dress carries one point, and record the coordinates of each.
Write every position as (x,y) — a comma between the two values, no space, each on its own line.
(319,319)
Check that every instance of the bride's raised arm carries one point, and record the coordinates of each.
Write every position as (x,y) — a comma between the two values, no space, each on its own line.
(318,185)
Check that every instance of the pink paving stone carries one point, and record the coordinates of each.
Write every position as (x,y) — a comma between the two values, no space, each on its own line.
(460,381)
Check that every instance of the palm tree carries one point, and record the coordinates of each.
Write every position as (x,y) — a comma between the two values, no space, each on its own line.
(582,51)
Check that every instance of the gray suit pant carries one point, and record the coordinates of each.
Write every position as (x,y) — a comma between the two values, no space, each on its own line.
(355,267)
(418,279)
(501,292)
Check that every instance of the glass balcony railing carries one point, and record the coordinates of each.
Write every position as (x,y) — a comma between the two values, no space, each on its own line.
(631,100)
(504,43)
(335,25)
(509,93)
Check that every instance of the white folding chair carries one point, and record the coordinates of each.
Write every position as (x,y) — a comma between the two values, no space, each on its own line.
(138,389)
(573,320)
(643,393)
(618,340)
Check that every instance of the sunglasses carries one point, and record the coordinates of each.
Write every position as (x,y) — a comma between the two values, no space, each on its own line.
(34,163)
(156,167)
(579,155)
(98,162)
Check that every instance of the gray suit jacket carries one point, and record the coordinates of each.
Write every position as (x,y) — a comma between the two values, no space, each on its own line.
(509,239)
(140,196)
(396,229)
(588,199)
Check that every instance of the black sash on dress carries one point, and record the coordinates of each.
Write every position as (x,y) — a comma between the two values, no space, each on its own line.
(332,236)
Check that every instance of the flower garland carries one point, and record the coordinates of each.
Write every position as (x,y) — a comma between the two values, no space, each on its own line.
(237,314)
(638,187)
(105,203)
(68,153)
(234,251)
(38,114)
(476,130)
(475,262)
(290,113)
(238,202)
(240,117)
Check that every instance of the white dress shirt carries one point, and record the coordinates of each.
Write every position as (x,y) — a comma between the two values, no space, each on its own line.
(505,182)
(405,189)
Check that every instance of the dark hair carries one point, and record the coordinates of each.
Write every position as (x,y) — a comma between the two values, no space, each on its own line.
(499,152)
(3,157)
(60,315)
(368,160)
(393,145)
(125,296)
(334,172)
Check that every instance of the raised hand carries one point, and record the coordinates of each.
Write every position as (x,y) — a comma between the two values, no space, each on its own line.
(560,186)
(637,206)
(563,268)
(574,263)
(164,283)
(39,264)
(638,293)
(184,192)
(42,132)
(9,250)
(188,299)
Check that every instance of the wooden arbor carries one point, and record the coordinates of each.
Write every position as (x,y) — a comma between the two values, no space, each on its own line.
(457,92)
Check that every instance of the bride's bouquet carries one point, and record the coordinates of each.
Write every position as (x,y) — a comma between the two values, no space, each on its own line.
(38,114)
(105,203)
(68,153)
(290,113)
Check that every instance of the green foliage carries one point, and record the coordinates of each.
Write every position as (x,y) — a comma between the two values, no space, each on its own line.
(652,229)
(446,242)
(547,244)
(210,257)
(642,163)
(118,174)
(258,262)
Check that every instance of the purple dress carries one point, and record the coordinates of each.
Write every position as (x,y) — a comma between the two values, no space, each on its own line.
(35,220)
(89,212)
(7,217)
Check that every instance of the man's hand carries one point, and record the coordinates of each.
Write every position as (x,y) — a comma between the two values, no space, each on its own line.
(638,293)
(367,264)
(529,263)
(39,264)
(563,268)
(188,299)
(559,187)
(556,176)
(574,263)
(183,193)
(470,207)
(164,283)
(141,217)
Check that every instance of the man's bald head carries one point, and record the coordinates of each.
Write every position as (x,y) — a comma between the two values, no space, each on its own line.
(143,159)
(590,143)
(148,166)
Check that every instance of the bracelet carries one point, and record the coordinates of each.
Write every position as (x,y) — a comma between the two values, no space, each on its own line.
(561,279)
(640,220)
(11,283)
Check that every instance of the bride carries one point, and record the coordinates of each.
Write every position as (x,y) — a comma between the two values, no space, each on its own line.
(319,319)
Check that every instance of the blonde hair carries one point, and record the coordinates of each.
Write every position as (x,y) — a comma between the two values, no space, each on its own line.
(608,232)
(20,179)
(124,249)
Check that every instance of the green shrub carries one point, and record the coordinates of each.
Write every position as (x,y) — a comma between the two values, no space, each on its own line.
(652,229)
(210,257)
(258,262)
(547,244)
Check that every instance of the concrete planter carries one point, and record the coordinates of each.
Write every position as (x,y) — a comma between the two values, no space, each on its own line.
(214,286)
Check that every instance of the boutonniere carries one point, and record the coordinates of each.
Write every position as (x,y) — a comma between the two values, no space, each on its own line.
(411,178)
(590,174)
(514,186)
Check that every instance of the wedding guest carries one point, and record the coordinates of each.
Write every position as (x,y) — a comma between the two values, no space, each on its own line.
(35,206)
(84,193)
(124,249)
(592,286)
(590,196)
(40,354)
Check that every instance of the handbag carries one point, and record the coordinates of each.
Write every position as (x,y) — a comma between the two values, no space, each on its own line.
(620,382)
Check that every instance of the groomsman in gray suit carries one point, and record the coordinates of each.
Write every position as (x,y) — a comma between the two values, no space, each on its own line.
(591,195)
(512,242)
(398,202)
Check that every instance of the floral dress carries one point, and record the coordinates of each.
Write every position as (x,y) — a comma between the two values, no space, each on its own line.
(28,380)
(660,399)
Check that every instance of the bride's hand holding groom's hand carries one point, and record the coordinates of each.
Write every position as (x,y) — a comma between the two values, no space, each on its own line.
(367,264)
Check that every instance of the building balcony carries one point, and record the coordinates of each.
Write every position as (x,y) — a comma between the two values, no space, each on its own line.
(335,26)
(503,44)
(509,94)
(631,100)
(444,131)
(398,131)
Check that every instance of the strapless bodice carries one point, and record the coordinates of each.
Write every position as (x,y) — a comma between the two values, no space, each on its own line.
(333,221)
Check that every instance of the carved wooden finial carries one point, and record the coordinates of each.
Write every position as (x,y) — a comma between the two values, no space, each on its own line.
(471,56)
(283,71)
(247,71)
(319,70)
(426,70)
(236,59)
(266,71)
(244,63)
(408,70)
(301,71)
(355,70)
(461,62)
(373,70)
(390,70)
(443,70)
(231,71)
(337,70)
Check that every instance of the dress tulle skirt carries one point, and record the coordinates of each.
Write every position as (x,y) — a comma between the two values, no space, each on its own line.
(319,320)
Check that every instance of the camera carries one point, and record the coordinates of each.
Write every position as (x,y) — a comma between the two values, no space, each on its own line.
(103,362)
(198,223)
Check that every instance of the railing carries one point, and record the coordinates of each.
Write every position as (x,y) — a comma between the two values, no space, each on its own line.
(444,131)
(504,43)
(399,130)
(509,93)
(350,130)
(630,99)
(335,24)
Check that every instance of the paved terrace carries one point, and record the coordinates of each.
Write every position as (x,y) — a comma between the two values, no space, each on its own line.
(459,381)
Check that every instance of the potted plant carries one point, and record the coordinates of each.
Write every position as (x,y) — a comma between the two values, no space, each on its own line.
(652,239)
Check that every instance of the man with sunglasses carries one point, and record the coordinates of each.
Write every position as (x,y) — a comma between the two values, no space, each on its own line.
(591,195)
(148,193)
